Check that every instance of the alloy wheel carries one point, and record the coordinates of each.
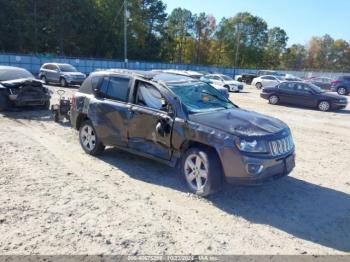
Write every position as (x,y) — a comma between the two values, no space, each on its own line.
(88,138)
(324,106)
(273,100)
(196,172)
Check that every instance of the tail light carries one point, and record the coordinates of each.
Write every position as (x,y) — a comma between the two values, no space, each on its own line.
(72,103)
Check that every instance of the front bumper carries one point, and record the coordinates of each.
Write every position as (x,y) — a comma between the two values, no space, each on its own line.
(236,88)
(339,104)
(236,172)
(73,81)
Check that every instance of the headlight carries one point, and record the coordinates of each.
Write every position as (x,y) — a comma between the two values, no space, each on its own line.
(254,146)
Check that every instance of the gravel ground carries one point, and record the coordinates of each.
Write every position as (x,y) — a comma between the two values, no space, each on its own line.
(57,200)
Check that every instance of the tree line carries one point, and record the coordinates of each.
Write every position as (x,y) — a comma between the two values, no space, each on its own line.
(94,28)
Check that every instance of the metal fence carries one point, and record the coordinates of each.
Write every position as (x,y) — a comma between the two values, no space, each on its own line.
(86,65)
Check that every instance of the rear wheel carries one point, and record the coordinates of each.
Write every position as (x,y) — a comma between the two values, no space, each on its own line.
(258,85)
(202,171)
(43,78)
(342,91)
(324,106)
(273,100)
(89,140)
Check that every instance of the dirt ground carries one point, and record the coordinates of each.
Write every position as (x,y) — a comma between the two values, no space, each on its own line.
(57,200)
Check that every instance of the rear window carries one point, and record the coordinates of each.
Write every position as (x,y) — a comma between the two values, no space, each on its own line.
(16,73)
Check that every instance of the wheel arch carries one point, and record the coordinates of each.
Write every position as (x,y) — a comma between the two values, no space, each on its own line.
(80,119)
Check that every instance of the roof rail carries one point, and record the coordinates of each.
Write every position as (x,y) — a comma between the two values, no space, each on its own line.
(143,74)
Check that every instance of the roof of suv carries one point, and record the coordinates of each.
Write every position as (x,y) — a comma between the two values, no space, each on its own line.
(157,76)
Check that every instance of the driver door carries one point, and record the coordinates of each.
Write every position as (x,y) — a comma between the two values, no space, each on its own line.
(150,126)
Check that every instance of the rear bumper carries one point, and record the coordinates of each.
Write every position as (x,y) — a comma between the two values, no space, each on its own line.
(265,95)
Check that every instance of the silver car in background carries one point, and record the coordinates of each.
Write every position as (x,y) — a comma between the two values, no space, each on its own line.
(63,74)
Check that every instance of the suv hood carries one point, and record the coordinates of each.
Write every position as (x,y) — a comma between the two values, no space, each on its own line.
(240,122)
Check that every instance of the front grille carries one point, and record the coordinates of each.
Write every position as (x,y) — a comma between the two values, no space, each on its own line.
(281,146)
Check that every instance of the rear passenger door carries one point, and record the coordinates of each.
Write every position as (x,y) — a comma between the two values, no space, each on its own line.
(111,109)
(287,93)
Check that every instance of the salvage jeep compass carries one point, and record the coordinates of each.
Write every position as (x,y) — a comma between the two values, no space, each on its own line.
(182,122)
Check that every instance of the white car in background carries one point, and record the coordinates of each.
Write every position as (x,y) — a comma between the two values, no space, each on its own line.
(225,81)
(267,81)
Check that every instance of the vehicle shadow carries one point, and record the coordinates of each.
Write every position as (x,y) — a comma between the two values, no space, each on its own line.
(311,212)
(30,113)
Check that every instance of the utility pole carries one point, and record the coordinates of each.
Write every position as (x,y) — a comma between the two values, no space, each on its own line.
(238,43)
(125,34)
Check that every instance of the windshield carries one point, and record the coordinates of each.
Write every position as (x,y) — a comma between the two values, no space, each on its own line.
(226,78)
(199,97)
(11,74)
(316,88)
(67,68)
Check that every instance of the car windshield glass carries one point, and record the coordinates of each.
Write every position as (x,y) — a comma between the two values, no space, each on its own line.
(68,68)
(199,97)
(227,78)
(6,75)
(316,88)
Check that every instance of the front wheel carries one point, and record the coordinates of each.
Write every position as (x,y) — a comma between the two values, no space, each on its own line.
(258,85)
(202,171)
(89,140)
(228,88)
(324,106)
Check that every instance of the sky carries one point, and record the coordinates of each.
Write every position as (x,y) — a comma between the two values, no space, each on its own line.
(301,19)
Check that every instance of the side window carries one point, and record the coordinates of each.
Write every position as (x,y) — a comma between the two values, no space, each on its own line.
(148,95)
(118,88)
(287,86)
(302,88)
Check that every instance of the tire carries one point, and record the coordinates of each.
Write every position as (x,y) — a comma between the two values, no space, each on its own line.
(56,117)
(324,106)
(88,139)
(342,91)
(43,78)
(202,171)
(228,88)
(63,82)
(258,85)
(239,79)
(4,102)
(273,100)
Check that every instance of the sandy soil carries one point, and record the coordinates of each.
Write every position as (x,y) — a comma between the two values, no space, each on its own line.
(57,200)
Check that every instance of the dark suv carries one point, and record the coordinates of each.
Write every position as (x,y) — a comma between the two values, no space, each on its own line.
(341,85)
(181,122)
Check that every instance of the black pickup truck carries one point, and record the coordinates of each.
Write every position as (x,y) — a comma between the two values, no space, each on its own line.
(181,122)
